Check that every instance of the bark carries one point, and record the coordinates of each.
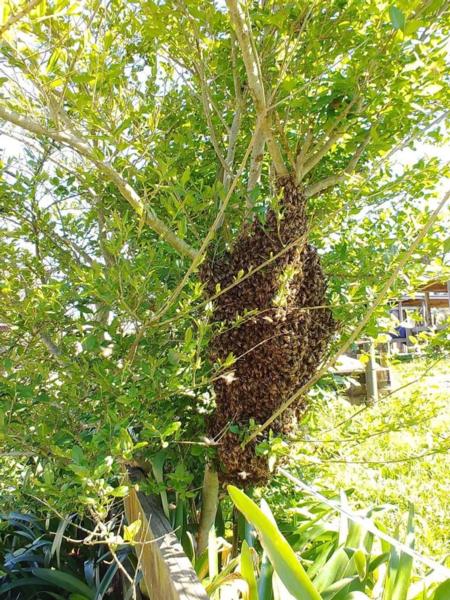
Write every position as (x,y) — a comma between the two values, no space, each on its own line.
(210,500)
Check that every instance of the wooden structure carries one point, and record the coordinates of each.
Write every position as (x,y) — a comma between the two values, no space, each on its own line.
(434,295)
(430,301)
(368,378)
(168,573)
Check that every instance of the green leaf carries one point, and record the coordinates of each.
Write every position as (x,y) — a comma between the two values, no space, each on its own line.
(157,462)
(281,555)
(57,540)
(265,579)
(120,492)
(91,343)
(58,53)
(361,564)
(22,582)
(186,175)
(64,581)
(338,589)
(333,570)
(397,18)
(279,589)
(403,578)
(130,531)
(248,571)
(442,592)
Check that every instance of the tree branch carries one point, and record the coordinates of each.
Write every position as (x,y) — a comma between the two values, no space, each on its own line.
(51,347)
(205,102)
(251,62)
(320,186)
(308,162)
(210,500)
(13,19)
(333,180)
(130,194)
(233,131)
(232,140)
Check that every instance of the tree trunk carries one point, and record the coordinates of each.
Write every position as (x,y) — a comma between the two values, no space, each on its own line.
(210,499)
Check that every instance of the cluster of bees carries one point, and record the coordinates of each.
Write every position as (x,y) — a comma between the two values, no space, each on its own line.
(271,315)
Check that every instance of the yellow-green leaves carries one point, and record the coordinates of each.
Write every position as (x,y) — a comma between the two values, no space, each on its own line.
(281,555)
(248,571)
(130,531)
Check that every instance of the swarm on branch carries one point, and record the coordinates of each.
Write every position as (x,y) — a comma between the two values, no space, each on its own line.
(280,346)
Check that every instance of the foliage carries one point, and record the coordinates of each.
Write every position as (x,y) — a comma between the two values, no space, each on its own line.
(340,558)
(42,556)
(147,140)
(392,453)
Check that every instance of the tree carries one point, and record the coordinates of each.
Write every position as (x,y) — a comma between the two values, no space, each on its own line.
(151,134)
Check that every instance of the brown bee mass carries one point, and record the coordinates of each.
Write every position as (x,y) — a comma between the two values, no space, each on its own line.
(274,323)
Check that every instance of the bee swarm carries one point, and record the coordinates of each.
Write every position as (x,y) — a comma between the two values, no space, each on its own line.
(278,347)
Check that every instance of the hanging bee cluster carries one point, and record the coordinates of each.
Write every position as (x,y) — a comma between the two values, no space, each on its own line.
(273,320)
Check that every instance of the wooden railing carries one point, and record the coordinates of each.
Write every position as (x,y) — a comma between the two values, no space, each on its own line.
(168,573)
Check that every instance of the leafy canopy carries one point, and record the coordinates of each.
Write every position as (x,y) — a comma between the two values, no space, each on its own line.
(136,135)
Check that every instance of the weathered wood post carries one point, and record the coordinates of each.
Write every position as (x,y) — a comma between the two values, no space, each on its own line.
(371,376)
(427,311)
(167,571)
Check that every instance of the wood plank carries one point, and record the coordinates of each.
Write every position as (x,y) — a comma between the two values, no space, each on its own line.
(167,571)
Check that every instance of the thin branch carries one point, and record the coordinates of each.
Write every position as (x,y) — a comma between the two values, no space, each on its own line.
(232,141)
(127,191)
(13,19)
(233,131)
(51,347)
(251,62)
(320,186)
(333,180)
(205,102)
(303,167)
(360,327)
(301,156)
(357,155)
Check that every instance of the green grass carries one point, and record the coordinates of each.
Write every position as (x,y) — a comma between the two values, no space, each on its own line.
(394,452)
